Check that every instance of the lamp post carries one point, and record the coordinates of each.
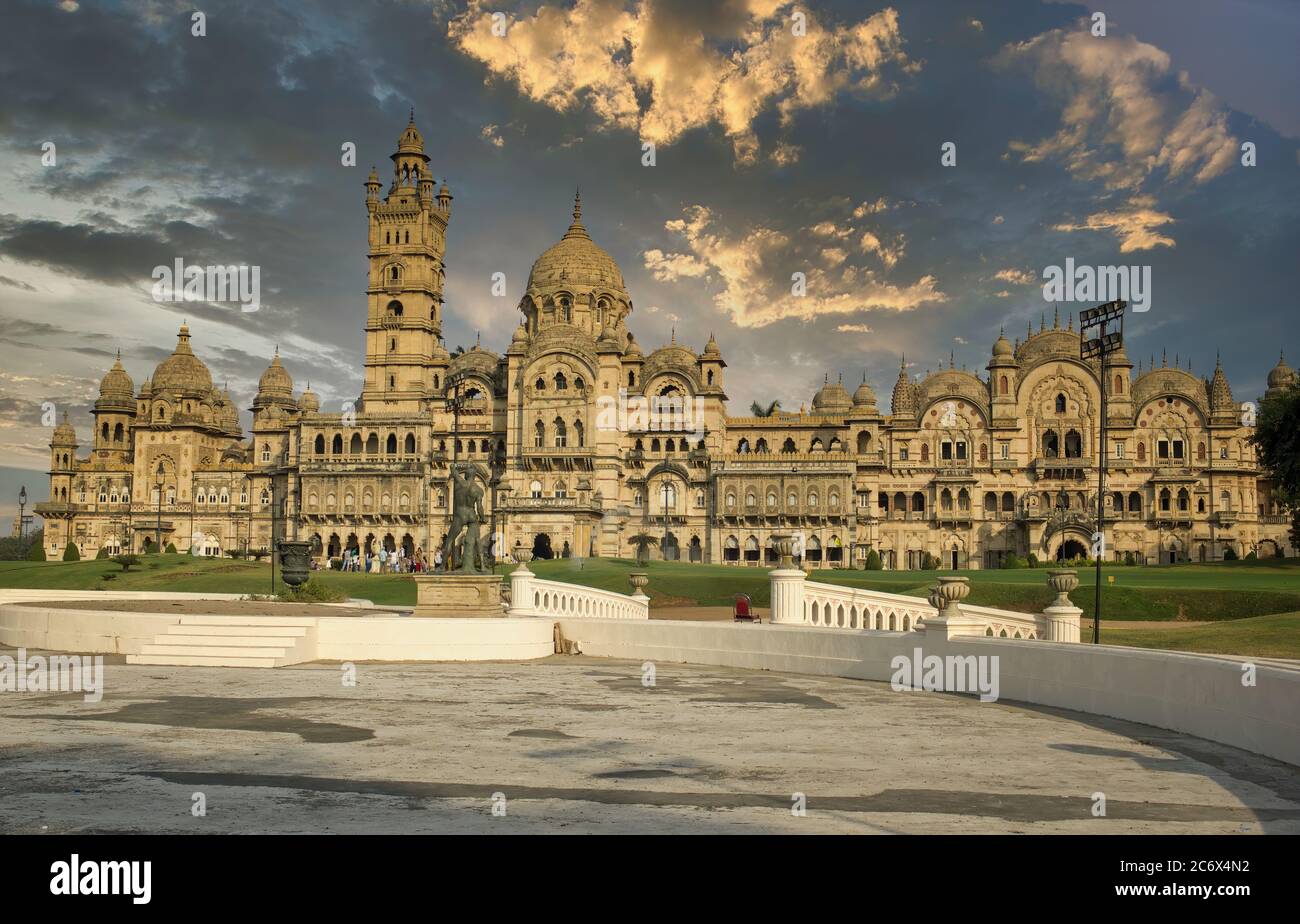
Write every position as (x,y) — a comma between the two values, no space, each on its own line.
(663,546)
(159,477)
(22,522)
(1101,333)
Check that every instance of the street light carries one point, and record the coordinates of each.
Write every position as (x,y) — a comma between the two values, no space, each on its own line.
(159,478)
(22,521)
(1101,333)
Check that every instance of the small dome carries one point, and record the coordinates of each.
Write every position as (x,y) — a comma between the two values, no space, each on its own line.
(831,398)
(1002,347)
(182,371)
(1281,375)
(632,348)
(411,142)
(576,261)
(864,396)
(520,335)
(711,348)
(309,403)
(275,381)
(117,384)
(64,434)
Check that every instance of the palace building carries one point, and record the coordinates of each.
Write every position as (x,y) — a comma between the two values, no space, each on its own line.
(962,468)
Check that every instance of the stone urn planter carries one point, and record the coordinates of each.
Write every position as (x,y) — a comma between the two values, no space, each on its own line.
(638,580)
(522,556)
(1062,580)
(947,595)
(784,544)
(295,562)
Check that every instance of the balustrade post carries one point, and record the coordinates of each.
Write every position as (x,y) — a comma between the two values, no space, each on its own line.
(1062,616)
(521,584)
(787,585)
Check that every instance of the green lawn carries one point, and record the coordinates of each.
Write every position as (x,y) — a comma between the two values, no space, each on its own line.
(1257,604)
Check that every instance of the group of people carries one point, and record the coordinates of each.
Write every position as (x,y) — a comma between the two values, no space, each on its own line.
(383,561)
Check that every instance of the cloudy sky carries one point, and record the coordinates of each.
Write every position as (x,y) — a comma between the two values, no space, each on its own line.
(781,145)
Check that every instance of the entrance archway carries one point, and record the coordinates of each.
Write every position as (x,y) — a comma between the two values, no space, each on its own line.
(1071,549)
(672,551)
(542,546)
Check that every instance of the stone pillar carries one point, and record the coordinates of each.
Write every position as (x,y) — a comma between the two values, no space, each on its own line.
(521,584)
(949,621)
(1062,616)
(787,584)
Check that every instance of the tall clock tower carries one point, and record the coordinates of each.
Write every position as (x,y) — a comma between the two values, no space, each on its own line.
(408,229)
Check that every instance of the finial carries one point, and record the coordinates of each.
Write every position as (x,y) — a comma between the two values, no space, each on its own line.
(1164,359)
(952,360)
(1069,325)
(477,336)
(1042,321)
(672,337)
(1056,317)
(577,204)
(412,113)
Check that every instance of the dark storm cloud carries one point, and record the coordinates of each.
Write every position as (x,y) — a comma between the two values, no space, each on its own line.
(226,149)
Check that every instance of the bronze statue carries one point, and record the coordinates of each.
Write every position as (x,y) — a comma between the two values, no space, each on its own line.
(466,515)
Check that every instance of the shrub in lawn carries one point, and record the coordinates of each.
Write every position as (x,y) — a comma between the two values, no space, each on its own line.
(102,553)
(126,561)
(1012,562)
(171,548)
(71,552)
(1230,554)
(36,553)
(873,560)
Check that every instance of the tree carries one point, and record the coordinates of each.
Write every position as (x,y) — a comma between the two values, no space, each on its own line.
(171,548)
(71,552)
(103,552)
(36,552)
(1277,441)
(873,560)
(643,542)
(759,410)
(126,561)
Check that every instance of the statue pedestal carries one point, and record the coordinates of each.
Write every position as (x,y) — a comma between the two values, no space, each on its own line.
(458,595)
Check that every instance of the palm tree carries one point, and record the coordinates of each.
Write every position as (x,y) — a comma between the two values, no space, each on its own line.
(759,410)
(643,542)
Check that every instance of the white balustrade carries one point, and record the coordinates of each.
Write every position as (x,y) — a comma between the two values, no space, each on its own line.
(798,601)
(533,596)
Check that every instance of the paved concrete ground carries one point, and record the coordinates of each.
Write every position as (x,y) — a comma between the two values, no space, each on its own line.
(580,745)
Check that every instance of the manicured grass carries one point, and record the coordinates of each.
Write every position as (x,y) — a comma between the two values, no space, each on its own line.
(1138,593)
(1256,603)
(184,574)
(1276,636)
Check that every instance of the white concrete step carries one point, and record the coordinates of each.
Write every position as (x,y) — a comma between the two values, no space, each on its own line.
(232,641)
(285,632)
(200,661)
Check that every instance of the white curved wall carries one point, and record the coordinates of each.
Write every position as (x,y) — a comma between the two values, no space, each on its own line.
(1196,694)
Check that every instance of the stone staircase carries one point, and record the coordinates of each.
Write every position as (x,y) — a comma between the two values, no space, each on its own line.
(231,641)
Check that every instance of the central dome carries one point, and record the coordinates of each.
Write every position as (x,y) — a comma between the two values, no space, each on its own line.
(576,261)
(182,371)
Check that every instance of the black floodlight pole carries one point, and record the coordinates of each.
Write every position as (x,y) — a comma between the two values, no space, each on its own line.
(1101,333)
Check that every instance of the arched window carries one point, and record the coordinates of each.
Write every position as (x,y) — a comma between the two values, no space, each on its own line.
(788,445)
(1060,404)
(1051,445)
(540,384)
(1119,384)
(320,444)
(654,445)
(761,445)
(391,444)
(1165,498)
(631,378)
(731,501)
(337,445)
(771,498)
(1200,452)
(816,445)
(535,488)
(925,452)
(372,444)
(1073,445)
(394,307)
(561,383)
(743,445)
(864,442)
(410,444)
(1003,385)
(561,434)
(918,502)
(117,433)
(1142,452)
